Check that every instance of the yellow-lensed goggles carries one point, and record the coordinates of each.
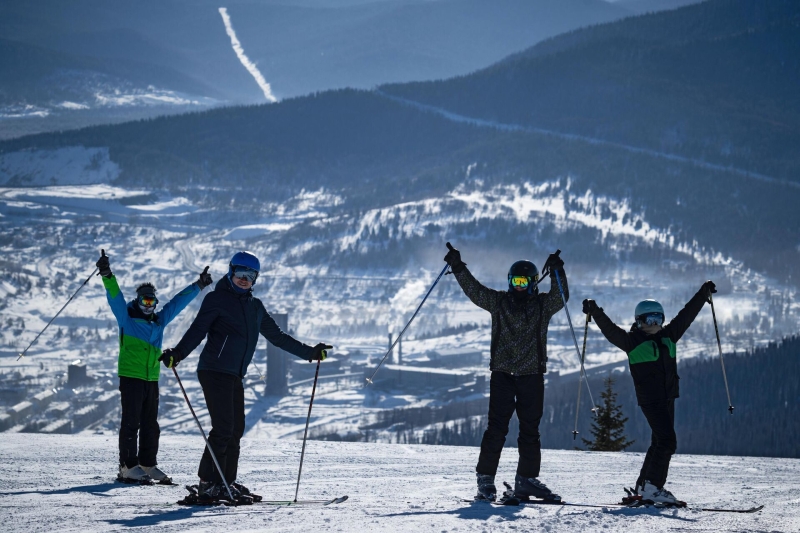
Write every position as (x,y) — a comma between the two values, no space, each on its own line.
(148,301)
(520,281)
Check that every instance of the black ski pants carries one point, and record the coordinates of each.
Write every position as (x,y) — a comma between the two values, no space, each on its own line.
(139,419)
(508,393)
(224,394)
(663,442)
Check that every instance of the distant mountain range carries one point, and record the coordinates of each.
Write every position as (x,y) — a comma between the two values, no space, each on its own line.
(170,56)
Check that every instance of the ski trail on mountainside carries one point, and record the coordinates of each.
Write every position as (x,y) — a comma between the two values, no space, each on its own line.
(249,65)
(455,117)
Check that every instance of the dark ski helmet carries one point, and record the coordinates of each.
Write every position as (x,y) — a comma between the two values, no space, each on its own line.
(245,260)
(646,308)
(146,298)
(527,269)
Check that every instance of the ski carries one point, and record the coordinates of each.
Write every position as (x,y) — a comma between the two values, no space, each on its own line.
(499,503)
(750,510)
(288,503)
(633,500)
(129,481)
(641,505)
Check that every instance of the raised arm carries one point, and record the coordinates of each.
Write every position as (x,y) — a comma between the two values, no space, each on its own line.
(615,334)
(115,298)
(553,303)
(678,326)
(113,293)
(482,296)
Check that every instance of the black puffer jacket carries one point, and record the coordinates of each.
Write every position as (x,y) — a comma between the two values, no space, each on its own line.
(232,322)
(653,358)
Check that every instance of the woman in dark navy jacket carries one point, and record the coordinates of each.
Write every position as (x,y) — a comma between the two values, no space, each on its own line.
(231,320)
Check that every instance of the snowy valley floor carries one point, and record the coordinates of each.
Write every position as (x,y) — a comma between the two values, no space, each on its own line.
(66,483)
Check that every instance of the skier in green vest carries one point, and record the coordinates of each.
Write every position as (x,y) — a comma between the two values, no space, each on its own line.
(651,349)
(141,333)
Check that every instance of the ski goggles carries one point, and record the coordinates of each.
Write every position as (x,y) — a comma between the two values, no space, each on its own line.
(520,281)
(651,319)
(147,301)
(245,273)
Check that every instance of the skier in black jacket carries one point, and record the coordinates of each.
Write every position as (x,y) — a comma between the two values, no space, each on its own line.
(520,317)
(231,319)
(652,356)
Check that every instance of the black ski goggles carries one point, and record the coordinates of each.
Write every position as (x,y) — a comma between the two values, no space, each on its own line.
(245,273)
(651,319)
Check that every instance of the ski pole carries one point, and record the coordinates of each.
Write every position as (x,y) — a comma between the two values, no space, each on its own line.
(305,433)
(722,362)
(208,445)
(574,338)
(583,356)
(369,379)
(59,312)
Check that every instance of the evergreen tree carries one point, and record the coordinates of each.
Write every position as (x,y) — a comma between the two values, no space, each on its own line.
(608,427)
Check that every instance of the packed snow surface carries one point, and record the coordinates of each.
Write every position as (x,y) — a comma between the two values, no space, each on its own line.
(66,483)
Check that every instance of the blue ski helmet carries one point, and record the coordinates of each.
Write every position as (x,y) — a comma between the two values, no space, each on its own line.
(527,269)
(648,307)
(246,260)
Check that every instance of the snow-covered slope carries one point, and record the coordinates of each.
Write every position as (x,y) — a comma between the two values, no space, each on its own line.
(66,483)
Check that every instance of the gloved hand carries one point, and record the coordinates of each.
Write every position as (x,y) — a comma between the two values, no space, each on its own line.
(205,279)
(170,357)
(589,307)
(554,262)
(709,288)
(320,352)
(104,265)
(453,258)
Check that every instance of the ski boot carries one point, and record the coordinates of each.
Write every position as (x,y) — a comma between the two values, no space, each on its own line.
(134,475)
(660,497)
(157,475)
(527,487)
(486,489)
(244,491)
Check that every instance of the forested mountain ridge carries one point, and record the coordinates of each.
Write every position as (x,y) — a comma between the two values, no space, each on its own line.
(715,81)
(378,153)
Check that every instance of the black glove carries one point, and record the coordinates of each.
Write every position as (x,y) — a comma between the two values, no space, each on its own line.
(320,352)
(104,265)
(589,307)
(453,258)
(554,262)
(708,289)
(170,357)
(205,279)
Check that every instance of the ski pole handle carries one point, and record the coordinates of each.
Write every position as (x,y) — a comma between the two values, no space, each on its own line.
(102,254)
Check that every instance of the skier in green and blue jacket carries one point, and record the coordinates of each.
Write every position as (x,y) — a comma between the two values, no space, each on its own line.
(141,332)
(652,357)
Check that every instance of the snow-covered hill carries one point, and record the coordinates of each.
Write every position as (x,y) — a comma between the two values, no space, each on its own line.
(66,483)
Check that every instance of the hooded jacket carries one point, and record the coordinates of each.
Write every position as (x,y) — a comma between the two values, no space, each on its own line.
(519,324)
(231,322)
(653,358)
(140,335)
